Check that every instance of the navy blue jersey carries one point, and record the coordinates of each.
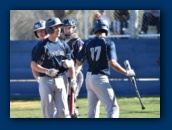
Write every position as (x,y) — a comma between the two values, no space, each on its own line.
(98,51)
(50,54)
(34,49)
(75,44)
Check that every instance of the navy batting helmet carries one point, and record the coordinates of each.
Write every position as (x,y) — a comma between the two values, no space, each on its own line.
(101,24)
(39,25)
(69,22)
(52,22)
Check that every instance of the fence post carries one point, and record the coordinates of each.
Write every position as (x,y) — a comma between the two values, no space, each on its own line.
(133,26)
(86,24)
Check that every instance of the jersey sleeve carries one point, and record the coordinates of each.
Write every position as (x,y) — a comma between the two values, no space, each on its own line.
(38,52)
(77,47)
(111,51)
(33,52)
(82,54)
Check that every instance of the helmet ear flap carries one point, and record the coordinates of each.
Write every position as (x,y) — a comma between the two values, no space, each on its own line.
(36,34)
(50,30)
(74,29)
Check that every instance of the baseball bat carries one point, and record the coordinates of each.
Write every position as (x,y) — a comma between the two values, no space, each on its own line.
(128,67)
(71,103)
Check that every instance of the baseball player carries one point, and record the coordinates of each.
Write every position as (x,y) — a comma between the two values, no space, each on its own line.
(40,32)
(48,62)
(75,44)
(101,54)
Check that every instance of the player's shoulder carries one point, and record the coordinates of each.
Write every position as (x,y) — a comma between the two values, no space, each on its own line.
(41,44)
(37,44)
(102,39)
(63,42)
(78,40)
(108,41)
(61,39)
(75,40)
(86,42)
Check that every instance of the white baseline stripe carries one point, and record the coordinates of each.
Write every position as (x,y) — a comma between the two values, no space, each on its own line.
(23,80)
(137,79)
(110,79)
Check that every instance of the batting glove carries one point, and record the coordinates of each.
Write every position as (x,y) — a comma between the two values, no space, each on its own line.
(73,85)
(130,73)
(67,63)
(51,72)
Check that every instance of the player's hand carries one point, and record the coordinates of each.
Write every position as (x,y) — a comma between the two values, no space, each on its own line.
(68,63)
(130,73)
(73,85)
(51,72)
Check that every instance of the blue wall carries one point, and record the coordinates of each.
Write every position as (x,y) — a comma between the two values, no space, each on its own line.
(142,54)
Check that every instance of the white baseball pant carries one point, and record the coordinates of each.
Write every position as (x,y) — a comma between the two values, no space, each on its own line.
(99,88)
(53,97)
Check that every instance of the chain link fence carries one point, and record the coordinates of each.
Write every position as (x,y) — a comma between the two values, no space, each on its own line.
(123,23)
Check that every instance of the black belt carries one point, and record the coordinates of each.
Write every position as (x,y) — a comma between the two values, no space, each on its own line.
(95,73)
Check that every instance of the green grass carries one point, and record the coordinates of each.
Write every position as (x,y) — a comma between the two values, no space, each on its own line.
(129,108)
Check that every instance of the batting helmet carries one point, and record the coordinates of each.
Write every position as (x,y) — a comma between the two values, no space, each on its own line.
(101,24)
(39,25)
(52,22)
(69,22)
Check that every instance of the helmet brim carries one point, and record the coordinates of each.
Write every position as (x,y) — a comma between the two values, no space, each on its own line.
(39,29)
(61,24)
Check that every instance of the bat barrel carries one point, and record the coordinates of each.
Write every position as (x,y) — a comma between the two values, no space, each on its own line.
(127,65)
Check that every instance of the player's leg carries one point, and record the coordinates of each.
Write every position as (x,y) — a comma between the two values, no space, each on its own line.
(55,111)
(80,80)
(66,77)
(60,99)
(93,101)
(93,105)
(105,93)
(45,92)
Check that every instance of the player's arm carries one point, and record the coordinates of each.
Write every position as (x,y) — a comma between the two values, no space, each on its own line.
(77,69)
(35,74)
(112,56)
(37,67)
(79,48)
(39,52)
(81,56)
(111,53)
(114,64)
(72,72)
(68,62)
(79,63)
(71,68)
